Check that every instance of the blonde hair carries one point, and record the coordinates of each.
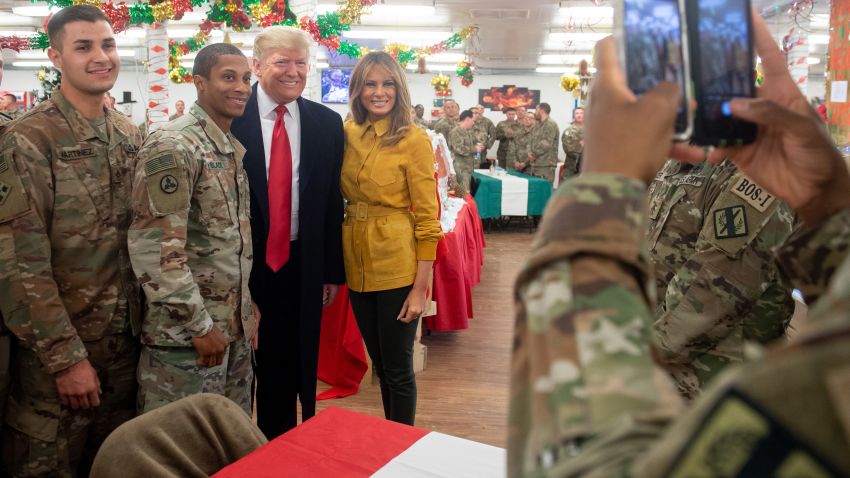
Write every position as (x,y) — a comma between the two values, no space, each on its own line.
(400,120)
(281,37)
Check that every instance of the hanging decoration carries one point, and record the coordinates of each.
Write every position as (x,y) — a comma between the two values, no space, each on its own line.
(465,71)
(239,15)
(441,85)
(569,83)
(50,78)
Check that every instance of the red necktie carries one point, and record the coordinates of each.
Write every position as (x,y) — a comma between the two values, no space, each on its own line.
(280,195)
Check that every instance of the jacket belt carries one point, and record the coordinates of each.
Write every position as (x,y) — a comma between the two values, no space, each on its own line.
(362,211)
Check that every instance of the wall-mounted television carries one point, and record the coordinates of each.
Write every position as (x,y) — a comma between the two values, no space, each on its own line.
(335,85)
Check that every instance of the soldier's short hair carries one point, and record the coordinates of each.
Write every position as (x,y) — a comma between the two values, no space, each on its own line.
(465,114)
(208,57)
(545,107)
(281,37)
(507,110)
(74,13)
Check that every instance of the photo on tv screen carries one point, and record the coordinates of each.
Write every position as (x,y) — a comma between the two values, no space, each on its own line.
(335,85)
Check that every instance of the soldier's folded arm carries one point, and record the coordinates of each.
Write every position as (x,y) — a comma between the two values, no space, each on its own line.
(581,361)
(164,179)
(29,296)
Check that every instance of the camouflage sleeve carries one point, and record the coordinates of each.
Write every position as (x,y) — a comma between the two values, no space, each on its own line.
(458,145)
(491,134)
(581,360)
(164,179)
(811,256)
(571,142)
(30,302)
(501,131)
(542,141)
(724,280)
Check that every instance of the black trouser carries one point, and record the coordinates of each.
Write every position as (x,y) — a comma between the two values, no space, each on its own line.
(390,345)
(278,369)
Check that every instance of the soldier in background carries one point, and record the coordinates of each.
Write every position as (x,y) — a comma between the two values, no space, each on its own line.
(463,146)
(450,119)
(9,105)
(505,132)
(711,233)
(179,108)
(68,291)
(485,130)
(419,117)
(586,396)
(190,244)
(543,155)
(573,144)
(523,143)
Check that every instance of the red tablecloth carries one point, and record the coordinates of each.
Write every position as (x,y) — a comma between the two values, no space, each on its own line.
(457,270)
(460,255)
(335,443)
(342,356)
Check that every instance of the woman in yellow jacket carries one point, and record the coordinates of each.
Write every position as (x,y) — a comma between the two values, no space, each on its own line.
(391,229)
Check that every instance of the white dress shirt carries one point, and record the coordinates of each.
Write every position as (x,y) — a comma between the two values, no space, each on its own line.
(292,121)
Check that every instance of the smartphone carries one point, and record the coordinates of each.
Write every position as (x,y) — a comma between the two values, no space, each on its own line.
(721,58)
(652,37)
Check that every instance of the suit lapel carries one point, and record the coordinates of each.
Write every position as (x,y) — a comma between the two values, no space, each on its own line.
(308,157)
(255,161)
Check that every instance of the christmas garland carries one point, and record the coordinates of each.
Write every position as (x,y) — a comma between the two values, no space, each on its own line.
(240,15)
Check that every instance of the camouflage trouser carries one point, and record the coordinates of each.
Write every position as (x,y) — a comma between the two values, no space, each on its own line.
(463,176)
(43,438)
(5,373)
(546,172)
(167,374)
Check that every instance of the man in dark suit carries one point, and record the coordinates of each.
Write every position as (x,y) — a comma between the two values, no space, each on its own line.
(293,160)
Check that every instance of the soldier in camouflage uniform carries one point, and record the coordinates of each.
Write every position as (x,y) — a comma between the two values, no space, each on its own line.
(419,119)
(522,143)
(10,107)
(543,147)
(585,398)
(485,130)
(67,290)
(190,244)
(463,146)
(505,132)
(5,337)
(573,145)
(711,232)
(450,119)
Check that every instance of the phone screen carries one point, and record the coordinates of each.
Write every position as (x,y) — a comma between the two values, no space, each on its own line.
(722,58)
(653,40)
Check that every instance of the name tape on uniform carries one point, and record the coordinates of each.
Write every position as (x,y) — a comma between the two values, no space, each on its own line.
(753,194)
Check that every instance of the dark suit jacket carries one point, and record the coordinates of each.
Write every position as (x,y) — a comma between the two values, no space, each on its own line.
(319,219)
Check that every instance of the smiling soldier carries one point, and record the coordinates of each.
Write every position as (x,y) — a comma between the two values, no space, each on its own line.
(190,244)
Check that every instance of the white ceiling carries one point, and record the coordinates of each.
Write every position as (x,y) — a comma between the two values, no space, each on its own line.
(514,37)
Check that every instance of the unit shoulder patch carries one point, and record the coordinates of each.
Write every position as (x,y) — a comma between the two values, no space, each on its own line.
(166,185)
(738,438)
(755,195)
(730,222)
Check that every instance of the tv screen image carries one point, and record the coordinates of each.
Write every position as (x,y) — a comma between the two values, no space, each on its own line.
(335,85)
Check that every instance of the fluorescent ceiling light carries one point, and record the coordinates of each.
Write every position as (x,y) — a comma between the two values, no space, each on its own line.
(561,69)
(560,59)
(132,33)
(434,66)
(31,64)
(395,11)
(813,61)
(446,57)
(15,20)
(34,10)
(587,12)
(20,33)
(399,35)
(819,39)
(578,36)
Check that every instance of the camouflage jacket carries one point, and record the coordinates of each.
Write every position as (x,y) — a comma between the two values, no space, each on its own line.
(711,233)
(65,274)
(421,123)
(571,141)
(519,147)
(444,126)
(544,144)
(462,146)
(586,397)
(190,240)
(505,133)
(485,131)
